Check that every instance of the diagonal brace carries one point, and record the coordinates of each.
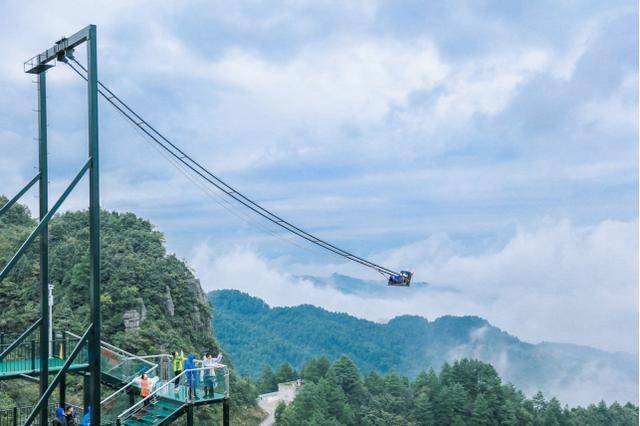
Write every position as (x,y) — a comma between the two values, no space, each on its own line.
(20,339)
(45,396)
(44,222)
(19,194)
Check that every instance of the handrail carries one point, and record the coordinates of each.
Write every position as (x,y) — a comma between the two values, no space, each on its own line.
(130,409)
(151,356)
(116,349)
(20,193)
(72,356)
(44,221)
(110,397)
(20,339)
(152,394)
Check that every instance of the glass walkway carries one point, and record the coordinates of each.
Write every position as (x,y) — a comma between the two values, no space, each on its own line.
(170,396)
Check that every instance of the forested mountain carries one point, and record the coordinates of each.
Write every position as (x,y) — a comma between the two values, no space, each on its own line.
(160,298)
(468,392)
(256,334)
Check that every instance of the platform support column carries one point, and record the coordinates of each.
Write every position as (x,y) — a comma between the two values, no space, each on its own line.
(94,227)
(225,412)
(44,242)
(63,391)
(85,391)
(190,415)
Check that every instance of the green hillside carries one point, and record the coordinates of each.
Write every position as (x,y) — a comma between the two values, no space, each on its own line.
(139,280)
(257,335)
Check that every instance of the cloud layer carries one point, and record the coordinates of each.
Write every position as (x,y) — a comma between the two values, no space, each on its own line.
(490,145)
(556,282)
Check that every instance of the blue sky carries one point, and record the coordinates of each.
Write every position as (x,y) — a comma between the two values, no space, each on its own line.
(491,146)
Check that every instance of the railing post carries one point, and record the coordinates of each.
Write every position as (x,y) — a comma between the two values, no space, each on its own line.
(33,355)
(15,416)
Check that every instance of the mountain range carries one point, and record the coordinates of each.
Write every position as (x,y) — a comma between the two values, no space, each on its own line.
(255,334)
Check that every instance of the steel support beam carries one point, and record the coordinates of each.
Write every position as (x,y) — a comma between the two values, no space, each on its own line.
(44,243)
(225,412)
(44,222)
(63,391)
(20,339)
(63,370)
(12,201)
(85,391)
(94,225)
(41,61)
(190,415)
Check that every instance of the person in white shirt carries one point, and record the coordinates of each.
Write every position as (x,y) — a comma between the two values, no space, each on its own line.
(209,374)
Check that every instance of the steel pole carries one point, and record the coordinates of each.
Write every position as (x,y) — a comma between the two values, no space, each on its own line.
(44,242)
(190,415)
(225,412)
(94,227)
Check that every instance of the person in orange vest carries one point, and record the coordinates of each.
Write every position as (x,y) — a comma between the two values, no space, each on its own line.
(146,386)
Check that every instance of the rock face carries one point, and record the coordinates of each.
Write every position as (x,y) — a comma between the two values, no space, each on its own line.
(134,317)
(168,304)
(201,311)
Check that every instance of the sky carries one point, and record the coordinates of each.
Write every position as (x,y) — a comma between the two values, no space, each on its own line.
(491,147)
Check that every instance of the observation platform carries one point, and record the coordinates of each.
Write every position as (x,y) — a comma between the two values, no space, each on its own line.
(120,370)
(16,368)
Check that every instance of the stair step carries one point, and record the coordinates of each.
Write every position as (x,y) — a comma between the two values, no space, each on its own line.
(168,405)
(133,422)
(157,411)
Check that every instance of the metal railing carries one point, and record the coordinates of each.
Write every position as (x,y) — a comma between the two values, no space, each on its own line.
(17,416)
(121,364)
(25,356)
(186,393)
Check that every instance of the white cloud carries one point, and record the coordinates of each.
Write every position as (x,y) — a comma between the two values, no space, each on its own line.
(341,81)
(553,282)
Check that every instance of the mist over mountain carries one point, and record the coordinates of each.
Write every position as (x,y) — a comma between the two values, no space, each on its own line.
(256,334)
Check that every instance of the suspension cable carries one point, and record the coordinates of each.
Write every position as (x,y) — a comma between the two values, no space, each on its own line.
(212,179)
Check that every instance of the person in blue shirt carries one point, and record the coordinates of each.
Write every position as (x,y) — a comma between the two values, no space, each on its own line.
(192,376)
(60,420)
(86,419)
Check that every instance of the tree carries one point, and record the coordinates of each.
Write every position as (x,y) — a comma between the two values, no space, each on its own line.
(267,381)
(280,408)
(315,369)
(481,412)
(423,410)
(345,374)
(285,373)
(392,400)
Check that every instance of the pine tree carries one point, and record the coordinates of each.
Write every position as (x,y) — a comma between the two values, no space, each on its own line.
(481,412)
(267,381)
(286,373)
(315,369)
(345,374)
(424,410)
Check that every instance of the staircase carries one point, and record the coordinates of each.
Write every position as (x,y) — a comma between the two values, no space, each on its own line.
(169,398)
(158,412)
